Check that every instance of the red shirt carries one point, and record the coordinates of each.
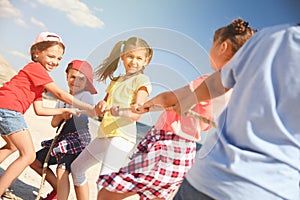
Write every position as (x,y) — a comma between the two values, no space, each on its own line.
(24,88)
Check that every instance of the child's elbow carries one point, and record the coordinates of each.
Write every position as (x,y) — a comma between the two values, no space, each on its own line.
(54,125)
(38,111)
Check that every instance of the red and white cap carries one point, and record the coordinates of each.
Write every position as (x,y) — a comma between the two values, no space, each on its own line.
(48,36)
(85,68)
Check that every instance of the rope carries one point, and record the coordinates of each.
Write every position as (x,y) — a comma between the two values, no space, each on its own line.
(201,118)
(45,165)
(188,113)
(191,113)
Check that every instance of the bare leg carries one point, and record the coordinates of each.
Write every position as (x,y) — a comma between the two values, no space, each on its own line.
(7,149)
(37,166)
(63,184)
(82,191)
(23,142)
(104,194)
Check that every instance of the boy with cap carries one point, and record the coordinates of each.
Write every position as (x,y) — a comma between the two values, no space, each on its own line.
(74,136)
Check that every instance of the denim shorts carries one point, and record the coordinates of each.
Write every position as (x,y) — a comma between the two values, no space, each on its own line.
(11,121)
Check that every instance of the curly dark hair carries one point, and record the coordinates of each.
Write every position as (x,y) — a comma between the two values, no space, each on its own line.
(238,32)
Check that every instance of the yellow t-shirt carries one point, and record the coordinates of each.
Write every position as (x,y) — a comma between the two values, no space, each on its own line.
(122,93)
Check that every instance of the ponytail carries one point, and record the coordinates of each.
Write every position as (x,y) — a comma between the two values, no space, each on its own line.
(110,64)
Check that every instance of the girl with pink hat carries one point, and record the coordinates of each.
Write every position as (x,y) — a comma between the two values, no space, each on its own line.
(24,89)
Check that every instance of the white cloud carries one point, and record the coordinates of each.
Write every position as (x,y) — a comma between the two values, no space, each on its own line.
(98,9)
(8,10)
(38,23)
(21,22)
(76,11)
(19,54)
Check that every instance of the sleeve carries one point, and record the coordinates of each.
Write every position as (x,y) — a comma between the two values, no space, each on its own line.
(59,104)
(143,81)
(38,74)
(228,78)
(203,107)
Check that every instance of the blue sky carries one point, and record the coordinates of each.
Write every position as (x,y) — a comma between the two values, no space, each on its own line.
(180,31)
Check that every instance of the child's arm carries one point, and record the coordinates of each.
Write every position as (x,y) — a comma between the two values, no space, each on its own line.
(142,96)
(56,119)
(165,99)
(211,88)
(68,98)
(40,110)
(101,107)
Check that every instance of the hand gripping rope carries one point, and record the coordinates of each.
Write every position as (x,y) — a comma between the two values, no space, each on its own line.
(190,112)
(45,165)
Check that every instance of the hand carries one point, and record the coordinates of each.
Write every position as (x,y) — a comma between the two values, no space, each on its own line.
(101,108)
(68,113)
(138,109)
(141,109)
(115,111)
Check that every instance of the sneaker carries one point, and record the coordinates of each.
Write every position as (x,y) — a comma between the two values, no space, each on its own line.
(51,196)
(9,195)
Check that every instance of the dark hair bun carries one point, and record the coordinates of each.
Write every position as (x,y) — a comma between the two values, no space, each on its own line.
(239,26)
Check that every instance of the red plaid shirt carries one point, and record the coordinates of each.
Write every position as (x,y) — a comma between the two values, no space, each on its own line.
(69,143)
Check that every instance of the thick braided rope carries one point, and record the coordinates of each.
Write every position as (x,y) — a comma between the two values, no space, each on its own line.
(197,116)
(201,118)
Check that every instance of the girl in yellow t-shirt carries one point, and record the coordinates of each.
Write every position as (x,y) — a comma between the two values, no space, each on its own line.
(117,132)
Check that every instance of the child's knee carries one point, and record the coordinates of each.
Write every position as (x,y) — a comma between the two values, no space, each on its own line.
(28,158)
(36,164)
(79,177)
(12,148)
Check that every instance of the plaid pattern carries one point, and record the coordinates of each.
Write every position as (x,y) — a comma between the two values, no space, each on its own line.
(157,167)
(69,143)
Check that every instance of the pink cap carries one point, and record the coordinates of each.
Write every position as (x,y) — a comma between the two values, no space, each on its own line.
(48,36)
(85,68)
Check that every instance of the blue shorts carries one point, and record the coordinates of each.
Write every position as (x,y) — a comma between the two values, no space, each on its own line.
(11,121)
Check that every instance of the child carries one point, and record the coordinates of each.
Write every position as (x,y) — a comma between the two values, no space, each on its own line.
(20,92)
(255,154)
(167,152)
(117,131)
(74,136)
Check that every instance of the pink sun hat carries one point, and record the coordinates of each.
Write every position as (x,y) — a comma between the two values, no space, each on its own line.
(85,68)
(48,36)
